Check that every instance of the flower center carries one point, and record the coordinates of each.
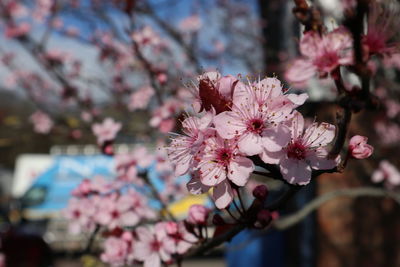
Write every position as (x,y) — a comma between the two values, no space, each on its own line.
(255,126)
(296,150)
(224,155)
(155,245)
(76,213)
(115,214)
(327,61)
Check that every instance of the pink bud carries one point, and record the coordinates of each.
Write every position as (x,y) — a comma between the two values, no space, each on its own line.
(198,214)
(260,192)
(358,147)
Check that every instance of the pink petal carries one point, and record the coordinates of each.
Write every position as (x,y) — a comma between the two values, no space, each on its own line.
(300,71)
(297,125)
(298,99)
(239,170)
(129,219)
(319,135)
(271,157)
(319,161)
(196,187)
(228,125)
(295,171)
(212,174)
(152,261)
(275,138)
(250,144)
(310,44)
(222,195)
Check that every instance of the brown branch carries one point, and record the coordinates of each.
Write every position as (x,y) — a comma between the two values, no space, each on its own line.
(343,118)
(291,220)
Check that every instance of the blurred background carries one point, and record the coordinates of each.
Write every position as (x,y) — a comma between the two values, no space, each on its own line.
(66,64)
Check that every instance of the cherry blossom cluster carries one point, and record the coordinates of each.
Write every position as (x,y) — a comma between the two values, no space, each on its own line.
(152,245)
(99,202)
(120,216)
(244,120)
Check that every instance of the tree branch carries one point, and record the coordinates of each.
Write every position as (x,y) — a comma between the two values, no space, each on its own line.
(291,220)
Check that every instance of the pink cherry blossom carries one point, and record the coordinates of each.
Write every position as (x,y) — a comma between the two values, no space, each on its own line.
(41,122)
(15,31)
(140,99)
(116,211)
(221,163)
(383,21)
(304,151)
(153,245)
(388,174)
(127,164)
(106,131)
(83,189)
(388,131)
(163,117)
(181,239)
(118,251)
(358,147)
(184,148)
(80,213)
(321,54)
(256,127)
(198,214)
(139,204)
(263,91)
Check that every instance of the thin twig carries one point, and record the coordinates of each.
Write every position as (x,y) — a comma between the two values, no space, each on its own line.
(293,219)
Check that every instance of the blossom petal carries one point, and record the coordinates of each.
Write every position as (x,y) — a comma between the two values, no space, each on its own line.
(310,44)
(228,125)
(222,195)
(295,171)
(212,174)
(319,161)
(239,170)
(271,157)
(300,71)
(250,144)
(196,187)
(275,138)
(317,135)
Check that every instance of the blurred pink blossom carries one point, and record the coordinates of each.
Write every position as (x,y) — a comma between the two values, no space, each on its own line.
(106,131)
(321,55)
(141,98)
(41,122)
(15,31)
(153,245)
(118,251)
(388,174)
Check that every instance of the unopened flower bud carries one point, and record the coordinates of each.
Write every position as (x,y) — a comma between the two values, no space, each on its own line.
(198,214)
(358,147)
(260,192)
